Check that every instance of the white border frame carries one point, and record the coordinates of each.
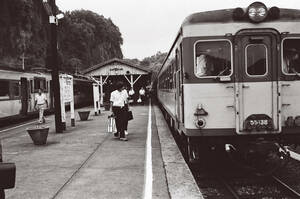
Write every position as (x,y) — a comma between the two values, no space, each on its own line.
(246,58)
(231,58)
(281,56)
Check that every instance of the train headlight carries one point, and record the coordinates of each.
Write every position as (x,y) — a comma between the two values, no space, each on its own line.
(257,12)
(200,123)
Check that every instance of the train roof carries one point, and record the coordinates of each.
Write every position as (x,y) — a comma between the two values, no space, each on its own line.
(226,16)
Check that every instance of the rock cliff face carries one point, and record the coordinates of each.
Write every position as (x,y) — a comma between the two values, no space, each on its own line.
(23,32)
(85,38)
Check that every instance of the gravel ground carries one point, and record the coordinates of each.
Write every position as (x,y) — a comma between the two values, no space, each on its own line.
(244,183)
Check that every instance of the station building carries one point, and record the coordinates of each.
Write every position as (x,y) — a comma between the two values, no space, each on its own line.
(106,74)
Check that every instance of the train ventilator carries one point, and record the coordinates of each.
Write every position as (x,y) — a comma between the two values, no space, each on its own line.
(232,78)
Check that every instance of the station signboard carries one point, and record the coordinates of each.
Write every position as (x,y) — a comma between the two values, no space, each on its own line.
(66,97)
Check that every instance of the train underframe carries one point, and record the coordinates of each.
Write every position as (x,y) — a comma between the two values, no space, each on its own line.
(261,153)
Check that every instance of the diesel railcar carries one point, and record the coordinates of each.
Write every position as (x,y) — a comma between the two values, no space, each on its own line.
(232,78)
(18,89)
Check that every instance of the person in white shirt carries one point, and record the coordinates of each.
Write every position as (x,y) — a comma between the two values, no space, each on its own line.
(126,107)
(142,93)
(289,58)
(119,99)
(41,102)
(131,93)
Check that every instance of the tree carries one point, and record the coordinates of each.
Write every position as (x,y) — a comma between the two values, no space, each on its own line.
(89,37)
(85,38)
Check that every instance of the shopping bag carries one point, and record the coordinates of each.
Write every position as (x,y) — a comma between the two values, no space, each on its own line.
(129,115)
(7,175)
(111,127)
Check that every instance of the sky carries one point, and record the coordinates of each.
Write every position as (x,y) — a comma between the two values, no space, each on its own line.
(149,26)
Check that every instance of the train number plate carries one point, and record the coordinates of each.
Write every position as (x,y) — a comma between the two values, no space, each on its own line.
(258,122)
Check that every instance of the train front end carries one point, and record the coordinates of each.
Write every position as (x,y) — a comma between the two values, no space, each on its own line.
(241,75)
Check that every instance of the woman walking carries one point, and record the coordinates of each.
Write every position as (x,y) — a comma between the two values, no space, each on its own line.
(119,101)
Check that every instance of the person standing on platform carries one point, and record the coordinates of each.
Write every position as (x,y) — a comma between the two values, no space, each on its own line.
(118,99)
(42,103)
(131,93)
(125,93)
(142,94)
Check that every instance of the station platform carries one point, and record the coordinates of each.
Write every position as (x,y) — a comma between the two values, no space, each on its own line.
(87,162)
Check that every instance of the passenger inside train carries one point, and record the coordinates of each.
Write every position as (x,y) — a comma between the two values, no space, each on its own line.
(213,59)
(291,60)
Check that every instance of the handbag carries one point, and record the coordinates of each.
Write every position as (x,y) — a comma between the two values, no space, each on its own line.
(7,175)
(111,127)
(129,115)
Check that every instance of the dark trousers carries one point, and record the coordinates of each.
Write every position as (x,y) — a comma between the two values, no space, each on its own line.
(121,119)
(2,194)
(126,121)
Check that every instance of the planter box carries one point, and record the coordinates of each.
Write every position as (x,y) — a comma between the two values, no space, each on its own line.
(39,135)
(84,115)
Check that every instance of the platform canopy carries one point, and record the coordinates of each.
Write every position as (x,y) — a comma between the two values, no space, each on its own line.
(118,69)
(115,67)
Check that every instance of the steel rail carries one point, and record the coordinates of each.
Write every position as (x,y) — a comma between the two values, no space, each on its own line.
(229,188)
(287,187)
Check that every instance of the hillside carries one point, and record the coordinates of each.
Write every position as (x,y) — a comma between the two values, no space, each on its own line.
(85,38)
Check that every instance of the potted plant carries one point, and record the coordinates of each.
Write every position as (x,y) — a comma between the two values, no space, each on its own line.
(38,134)
(84,115)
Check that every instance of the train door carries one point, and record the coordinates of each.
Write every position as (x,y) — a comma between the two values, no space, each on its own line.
(24,96)
(178,87)
(257,84)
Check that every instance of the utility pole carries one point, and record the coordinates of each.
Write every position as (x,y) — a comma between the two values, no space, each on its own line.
(54,65)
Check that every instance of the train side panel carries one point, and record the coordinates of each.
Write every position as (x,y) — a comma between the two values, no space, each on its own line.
(290,101)
(216,99)
(10,107)
(167,99)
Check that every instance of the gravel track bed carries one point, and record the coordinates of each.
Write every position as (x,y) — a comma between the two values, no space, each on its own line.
(291,174)
(245,184)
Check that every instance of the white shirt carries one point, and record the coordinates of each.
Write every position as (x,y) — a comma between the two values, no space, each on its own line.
(119,98)
(41,99)
(201,65)
(142,91)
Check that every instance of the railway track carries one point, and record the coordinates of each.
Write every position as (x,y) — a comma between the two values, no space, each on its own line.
(281,189)
(291,191)
(238,183)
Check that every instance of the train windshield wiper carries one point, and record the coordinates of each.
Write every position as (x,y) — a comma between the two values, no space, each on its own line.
(296,73)
(221,77)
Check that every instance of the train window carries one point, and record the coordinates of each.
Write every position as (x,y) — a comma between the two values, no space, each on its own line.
(256,60)
(212,58)
(9,89)
(4,89)
(291,56)
(14,89)
(39,83)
